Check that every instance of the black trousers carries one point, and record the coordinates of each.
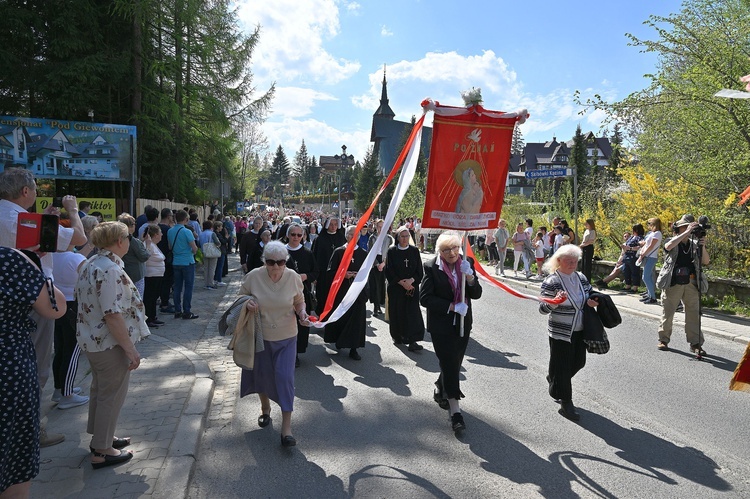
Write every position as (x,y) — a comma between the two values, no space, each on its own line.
(450,350)
(166,285)
(65,361)
(151,292)
(587,261)
(376,280)
(565,360)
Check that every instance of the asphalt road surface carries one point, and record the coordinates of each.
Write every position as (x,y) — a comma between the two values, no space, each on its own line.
(653,424)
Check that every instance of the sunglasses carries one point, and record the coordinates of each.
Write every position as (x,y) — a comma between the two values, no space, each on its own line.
(295,235)
(280,263)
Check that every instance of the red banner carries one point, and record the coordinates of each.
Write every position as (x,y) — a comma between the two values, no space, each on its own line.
(468,168)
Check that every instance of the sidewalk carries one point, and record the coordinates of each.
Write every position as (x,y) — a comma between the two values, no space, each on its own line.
(712,323)
(168,403)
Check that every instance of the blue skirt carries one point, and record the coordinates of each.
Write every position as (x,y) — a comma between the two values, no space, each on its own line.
(273,373)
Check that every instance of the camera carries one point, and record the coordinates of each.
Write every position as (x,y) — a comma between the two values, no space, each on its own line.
(700,231)
(57,202)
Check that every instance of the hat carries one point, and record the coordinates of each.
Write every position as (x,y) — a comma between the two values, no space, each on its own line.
(686,219)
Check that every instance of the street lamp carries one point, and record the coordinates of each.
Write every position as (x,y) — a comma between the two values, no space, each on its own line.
(344,159)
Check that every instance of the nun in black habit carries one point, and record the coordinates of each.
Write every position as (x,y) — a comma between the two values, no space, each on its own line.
(304,265)
(403,270)
(329,239)
(349,330)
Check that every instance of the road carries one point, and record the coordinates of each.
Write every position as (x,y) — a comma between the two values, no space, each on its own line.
(653,424)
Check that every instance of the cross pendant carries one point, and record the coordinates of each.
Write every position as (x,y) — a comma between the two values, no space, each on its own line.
(406,263)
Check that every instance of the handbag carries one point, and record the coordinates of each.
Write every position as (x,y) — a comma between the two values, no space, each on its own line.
(596,346)
(210,250)
(593,332)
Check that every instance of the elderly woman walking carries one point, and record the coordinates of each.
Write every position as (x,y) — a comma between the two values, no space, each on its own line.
(276,293)
(111,321)
(565,325)
(441,296)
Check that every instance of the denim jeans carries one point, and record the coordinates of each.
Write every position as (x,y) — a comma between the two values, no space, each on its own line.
(649,274)
(184,277)
(220,267)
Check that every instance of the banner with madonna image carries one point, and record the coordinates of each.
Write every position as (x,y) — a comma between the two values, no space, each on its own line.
(468,168)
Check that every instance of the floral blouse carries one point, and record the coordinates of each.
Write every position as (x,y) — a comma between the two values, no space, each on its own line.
(104,288)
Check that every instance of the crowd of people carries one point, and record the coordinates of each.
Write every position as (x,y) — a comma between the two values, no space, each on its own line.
(110,283)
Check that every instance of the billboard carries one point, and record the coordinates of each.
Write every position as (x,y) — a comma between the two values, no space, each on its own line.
(64,149)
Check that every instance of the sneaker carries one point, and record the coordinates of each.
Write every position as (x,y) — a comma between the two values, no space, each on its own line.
(178,315)
(680,308)
(188,315)
(49,439)
(221,284)
(167,310)
(210,287)
(57,394)
(158,322)
(662,346)
(152,325)
(73,400)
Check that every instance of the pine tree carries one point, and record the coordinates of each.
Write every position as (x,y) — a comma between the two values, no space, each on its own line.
(368,181)
(517,145)
(301,165)
(615,158)
(279,172)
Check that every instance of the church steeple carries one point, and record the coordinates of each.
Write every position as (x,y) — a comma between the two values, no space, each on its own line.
(384,110)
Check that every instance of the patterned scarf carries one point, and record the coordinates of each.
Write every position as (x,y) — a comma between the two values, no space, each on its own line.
(453,277)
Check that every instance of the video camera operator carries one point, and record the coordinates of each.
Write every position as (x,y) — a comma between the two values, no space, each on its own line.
(685,254)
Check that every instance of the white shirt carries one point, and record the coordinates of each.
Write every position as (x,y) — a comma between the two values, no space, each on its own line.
(649,237)
(66,266)
(9,227)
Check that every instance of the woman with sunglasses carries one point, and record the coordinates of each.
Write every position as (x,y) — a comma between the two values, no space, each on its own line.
(304,265)
(441,296)
(349,330)
(276,293)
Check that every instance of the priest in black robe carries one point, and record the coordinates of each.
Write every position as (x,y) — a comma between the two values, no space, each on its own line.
(329,239)
(349,330)
(376,278)
(304,265)
(404,272)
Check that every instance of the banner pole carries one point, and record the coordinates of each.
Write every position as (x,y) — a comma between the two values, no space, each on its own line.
(465,240)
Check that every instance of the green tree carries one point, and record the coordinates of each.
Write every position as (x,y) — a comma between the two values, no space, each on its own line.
(300,168)
(280,170)
(368,181)
(517,144)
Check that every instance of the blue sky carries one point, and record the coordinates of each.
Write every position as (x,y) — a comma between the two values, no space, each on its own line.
(326,58)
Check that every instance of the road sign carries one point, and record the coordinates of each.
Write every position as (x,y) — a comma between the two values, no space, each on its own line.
(555,172)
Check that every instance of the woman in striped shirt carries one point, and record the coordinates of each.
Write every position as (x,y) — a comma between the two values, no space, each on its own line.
(565,325)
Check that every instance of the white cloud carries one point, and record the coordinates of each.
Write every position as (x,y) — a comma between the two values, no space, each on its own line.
(320,137)
(384,31)
(353,7)
(292,39)
(295,102)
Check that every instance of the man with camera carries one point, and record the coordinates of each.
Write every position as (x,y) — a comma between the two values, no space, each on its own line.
(18,195)
(685,254)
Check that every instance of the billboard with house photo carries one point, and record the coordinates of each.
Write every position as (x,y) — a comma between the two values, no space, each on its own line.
(68,149)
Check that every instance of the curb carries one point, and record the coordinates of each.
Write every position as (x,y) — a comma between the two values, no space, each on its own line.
(174,478)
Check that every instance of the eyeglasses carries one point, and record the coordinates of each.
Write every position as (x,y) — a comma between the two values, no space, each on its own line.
(452,249)
(295,235)
(280,263)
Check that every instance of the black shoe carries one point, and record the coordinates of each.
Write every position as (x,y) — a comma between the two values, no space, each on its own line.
(296,361)
(645,298)
(377,311)
(288,441)
(124,456)
(443,403)
(264,420)
(189,316)
(697,350)
(158,322)
(680,308)
(167,310)
(178,315)
(601,284)
(415,347)
(152,325)
(354,355)
(651,301)
(457,422)
(568,410)
(117,443)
